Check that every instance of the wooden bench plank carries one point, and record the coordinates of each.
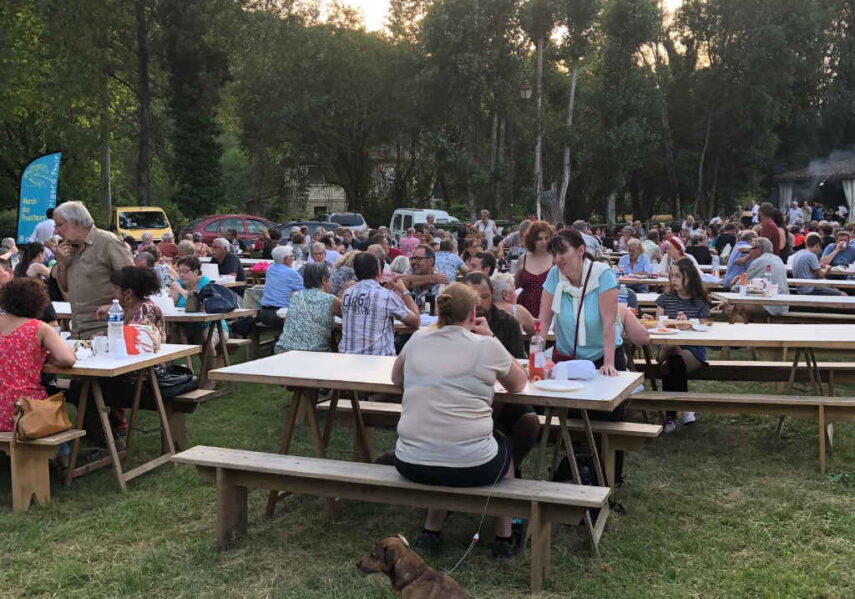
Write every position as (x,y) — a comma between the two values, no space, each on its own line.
(51,440)
(383,476)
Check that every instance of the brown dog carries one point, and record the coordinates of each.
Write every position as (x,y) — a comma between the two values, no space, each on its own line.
(409,574)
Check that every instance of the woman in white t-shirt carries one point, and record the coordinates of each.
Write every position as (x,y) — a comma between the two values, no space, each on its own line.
(445,434)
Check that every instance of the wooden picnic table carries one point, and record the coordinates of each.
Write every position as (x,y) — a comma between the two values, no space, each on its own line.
(89,371)
(827,302)
(804,338)
(835,283)
(657,282)
(308,372)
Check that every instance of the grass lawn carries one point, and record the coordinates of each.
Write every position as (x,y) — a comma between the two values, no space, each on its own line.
(719,509)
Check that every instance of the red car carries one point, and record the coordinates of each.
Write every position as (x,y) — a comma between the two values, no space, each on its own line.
(249,227)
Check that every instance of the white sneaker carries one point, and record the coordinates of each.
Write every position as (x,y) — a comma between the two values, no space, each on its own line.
(688,417)
(669,426)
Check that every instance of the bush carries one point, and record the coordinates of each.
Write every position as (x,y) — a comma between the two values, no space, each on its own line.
(8,222)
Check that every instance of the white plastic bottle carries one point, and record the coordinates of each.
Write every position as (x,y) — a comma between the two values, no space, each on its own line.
(716,266)
(115,335)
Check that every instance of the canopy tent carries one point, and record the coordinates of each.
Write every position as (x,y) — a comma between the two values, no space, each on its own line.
(828,171)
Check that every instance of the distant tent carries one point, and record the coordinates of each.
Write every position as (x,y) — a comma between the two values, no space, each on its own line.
(830,171)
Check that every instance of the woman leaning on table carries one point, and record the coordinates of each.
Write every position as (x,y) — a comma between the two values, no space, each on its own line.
(445,434)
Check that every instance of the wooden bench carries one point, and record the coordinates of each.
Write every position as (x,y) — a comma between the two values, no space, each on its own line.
(235,471)
(177,409)
(614,436)
(824,410)
(812,317)
(760,371)
(31,466)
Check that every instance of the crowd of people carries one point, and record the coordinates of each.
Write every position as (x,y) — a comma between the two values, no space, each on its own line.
(485,287)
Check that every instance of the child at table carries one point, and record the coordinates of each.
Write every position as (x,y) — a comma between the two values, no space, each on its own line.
(685,299)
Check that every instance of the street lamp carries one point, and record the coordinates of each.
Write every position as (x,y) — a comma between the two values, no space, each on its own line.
(525,91)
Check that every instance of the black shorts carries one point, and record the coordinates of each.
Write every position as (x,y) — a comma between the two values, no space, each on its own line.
(472,476)
(509,414)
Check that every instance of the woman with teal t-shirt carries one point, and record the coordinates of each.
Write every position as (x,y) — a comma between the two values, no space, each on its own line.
(576,286)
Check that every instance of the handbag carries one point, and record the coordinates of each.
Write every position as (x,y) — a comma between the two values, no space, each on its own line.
(217,299)
(37,418)
(175,379)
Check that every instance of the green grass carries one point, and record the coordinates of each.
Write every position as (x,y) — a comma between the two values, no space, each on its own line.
(720,509)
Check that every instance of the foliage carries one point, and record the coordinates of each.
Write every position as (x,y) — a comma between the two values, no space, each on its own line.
(213,105)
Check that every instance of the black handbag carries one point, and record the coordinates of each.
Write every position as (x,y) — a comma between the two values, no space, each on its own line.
(217,299)
(174,380)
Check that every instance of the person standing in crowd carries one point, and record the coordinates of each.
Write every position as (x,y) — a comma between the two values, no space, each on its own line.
(486,227)
(86,259)
(533,267)
(685,299)
(429,225)
(840,253)
(445,433)
(651,246)
(768,227)
(311,313)
(27,344)
(228,264)
(795,215)
(578,285)
(45,229)
(806,265)
(369,310)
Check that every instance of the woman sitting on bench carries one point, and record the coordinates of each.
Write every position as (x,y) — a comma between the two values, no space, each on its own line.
(686,299)
(445,434)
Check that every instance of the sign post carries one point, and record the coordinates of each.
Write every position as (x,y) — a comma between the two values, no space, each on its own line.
(37,193)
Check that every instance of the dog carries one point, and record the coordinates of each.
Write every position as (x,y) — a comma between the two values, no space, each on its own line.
(409,574)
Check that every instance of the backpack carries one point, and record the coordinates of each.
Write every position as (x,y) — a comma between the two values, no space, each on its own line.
(217,299)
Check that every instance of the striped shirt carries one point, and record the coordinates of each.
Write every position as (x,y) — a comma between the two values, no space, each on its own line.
(368,313)
(674,304)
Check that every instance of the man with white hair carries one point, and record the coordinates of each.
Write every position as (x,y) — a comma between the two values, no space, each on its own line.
(227,263)
(764,260)
(281,280)
(86,259)
(146,241)
(321,254)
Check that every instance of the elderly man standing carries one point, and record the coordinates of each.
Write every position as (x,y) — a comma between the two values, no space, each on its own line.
(86,259)
(227,263)
(486,226)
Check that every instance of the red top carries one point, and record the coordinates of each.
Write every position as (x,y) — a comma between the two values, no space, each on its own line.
(770,231)
(21,360)
(532,289)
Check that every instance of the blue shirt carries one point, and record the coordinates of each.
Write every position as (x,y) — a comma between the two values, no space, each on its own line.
(844,258)
(448,263)
(279,283)
(734,269)
(565,323)
(643,264)
(805,264)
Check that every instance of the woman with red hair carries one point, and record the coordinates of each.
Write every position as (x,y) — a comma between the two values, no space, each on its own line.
(533,267)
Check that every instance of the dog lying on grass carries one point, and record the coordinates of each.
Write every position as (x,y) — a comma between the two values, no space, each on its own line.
(409,574)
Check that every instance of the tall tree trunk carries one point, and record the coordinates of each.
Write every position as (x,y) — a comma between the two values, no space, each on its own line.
(565,168)
(700,191)
(143,174)
(611,208)
(104,138)
(538,148)
(494,150)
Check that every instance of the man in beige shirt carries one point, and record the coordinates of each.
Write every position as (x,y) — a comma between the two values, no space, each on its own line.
(86,258)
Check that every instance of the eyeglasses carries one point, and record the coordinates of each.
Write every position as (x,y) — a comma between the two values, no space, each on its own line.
(417,258)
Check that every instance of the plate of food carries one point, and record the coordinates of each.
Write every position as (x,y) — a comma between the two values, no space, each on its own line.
(557,385)
(663,331)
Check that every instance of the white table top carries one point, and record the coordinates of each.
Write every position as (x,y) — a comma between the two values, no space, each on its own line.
(107,366)
(374,374)
(647,299)
(830,302)
(836,283)
(722,334)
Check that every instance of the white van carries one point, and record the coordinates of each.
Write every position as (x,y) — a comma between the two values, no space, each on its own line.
(404,218)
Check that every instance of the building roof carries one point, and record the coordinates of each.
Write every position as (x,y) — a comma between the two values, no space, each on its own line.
(837,170)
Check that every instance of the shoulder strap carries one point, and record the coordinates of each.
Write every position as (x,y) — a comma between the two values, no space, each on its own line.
(581,303)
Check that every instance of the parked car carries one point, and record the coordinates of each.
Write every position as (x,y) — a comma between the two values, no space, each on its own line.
(249,227)
(137,220)
(313,225)
(404,218)
(352,220)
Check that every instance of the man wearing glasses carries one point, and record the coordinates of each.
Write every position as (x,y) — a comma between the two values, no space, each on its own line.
(423,279)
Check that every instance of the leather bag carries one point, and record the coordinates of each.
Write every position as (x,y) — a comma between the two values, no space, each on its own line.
(37,418)
(217,299)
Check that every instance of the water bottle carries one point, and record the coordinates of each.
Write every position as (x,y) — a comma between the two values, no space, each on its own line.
(115,336)
(767,278)
(623,296)
(536,357)
(716,266)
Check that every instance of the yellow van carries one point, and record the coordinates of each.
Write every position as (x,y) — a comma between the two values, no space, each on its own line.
(137,220)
